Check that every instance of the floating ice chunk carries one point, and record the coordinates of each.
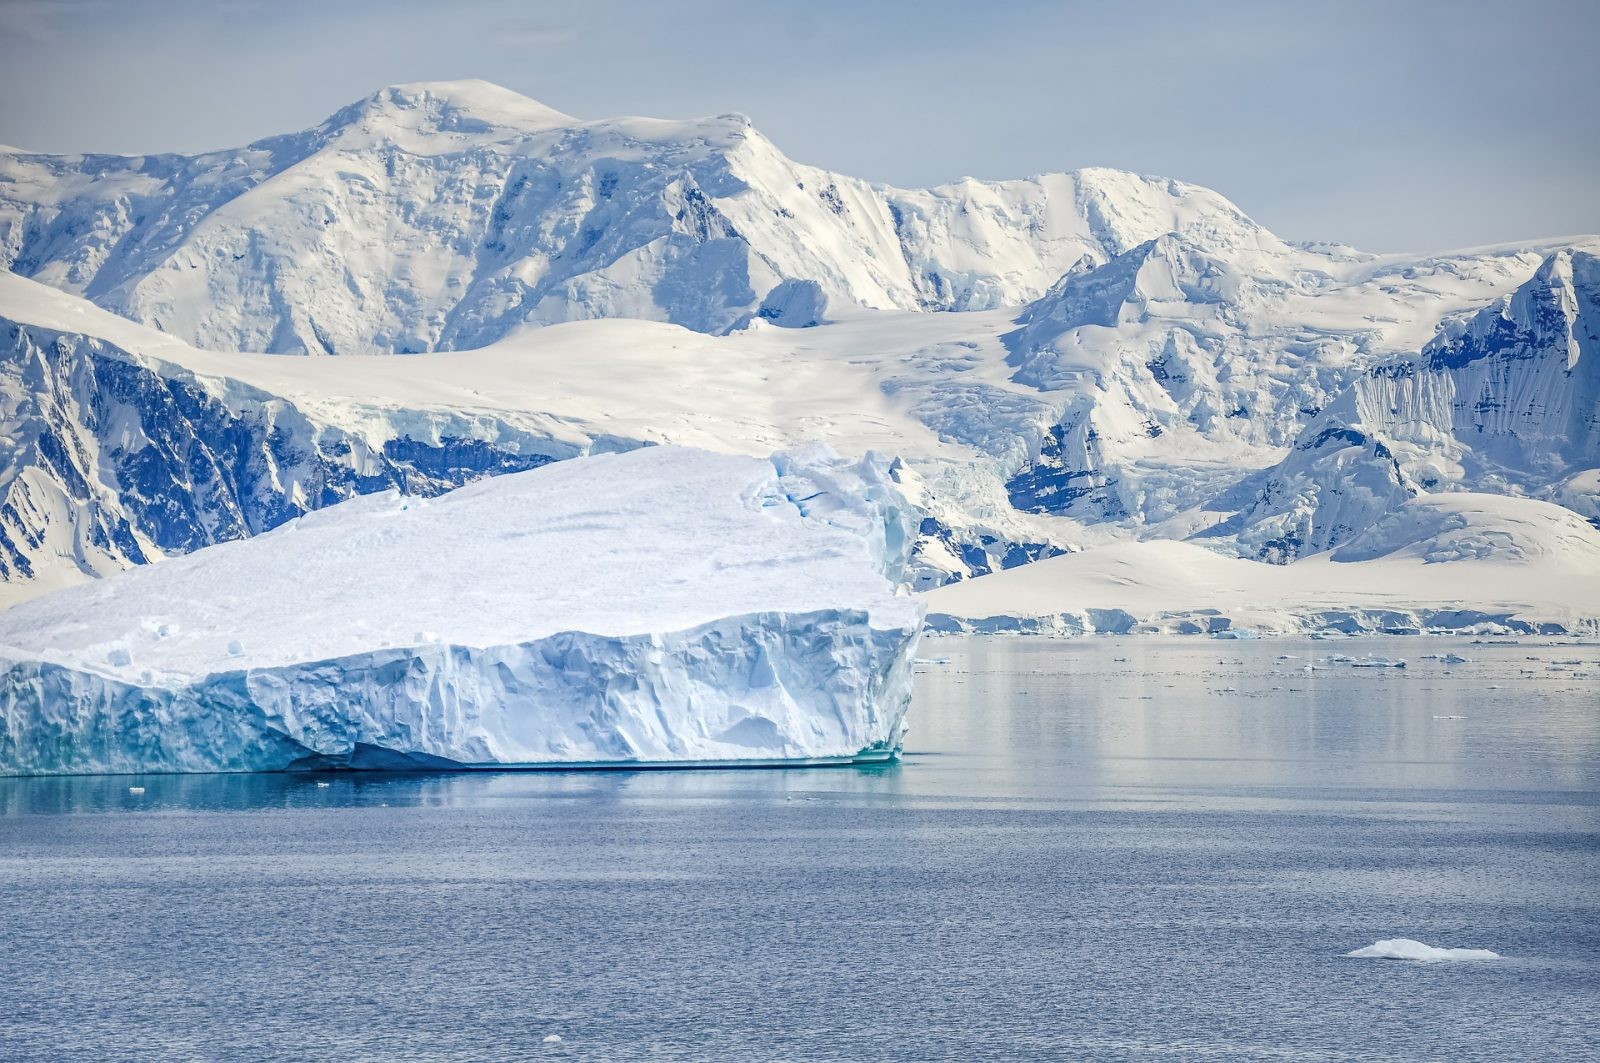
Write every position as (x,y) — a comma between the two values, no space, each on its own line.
(1408,949)
(136,790)
(661,606)
(1449,717)
(933,660)
(1373,661)
(552,1039)
(1446,658)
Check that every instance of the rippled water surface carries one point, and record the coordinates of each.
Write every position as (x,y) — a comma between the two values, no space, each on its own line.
(1094,849)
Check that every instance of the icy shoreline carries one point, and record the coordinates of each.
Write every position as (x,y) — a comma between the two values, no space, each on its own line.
(1438,623)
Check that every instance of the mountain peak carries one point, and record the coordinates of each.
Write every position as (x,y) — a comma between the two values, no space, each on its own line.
(466,109)
(1542,315)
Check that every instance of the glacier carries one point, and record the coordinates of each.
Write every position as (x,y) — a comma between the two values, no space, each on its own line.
(664,606)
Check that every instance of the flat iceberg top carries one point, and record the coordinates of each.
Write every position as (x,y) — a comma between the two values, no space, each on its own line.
(655,540)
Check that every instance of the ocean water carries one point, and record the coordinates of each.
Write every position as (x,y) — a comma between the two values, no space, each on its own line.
(1093,849)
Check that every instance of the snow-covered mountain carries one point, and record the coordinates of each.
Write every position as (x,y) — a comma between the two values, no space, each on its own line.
(1507,401)
(1133,358)
(441,216)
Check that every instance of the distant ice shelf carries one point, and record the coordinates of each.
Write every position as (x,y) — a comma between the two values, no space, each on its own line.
(1412,574)
(664,607)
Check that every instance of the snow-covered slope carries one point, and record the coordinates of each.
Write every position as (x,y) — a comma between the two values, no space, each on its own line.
(1136,357)
(1184,364)
(666,605)
(1464,562)
(1507,401)
(113,453)
(442,215)
(116,424)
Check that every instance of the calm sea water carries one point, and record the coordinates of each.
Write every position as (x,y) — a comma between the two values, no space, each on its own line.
(1112,849)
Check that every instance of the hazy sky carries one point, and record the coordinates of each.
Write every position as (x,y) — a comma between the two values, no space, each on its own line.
(1391,124)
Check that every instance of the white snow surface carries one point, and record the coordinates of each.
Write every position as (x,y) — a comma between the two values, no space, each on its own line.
(1461,562)
(441,215)
(664,605)
(1409,949)
(1137,359)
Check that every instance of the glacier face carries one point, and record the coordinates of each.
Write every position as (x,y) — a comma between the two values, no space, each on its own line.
(664,605)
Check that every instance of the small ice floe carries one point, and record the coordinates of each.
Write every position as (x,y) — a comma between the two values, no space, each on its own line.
(136,790)
(323,785)
(1449,717)
(933,660)
(552,1038)
(1287,657)
(1407,949)
(1372,661)
(1447,658)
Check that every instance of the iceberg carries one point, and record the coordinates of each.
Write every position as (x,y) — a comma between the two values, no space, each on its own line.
(1408,949)
(663,607)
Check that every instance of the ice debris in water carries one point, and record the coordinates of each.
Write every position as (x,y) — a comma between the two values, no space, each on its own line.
(662,605)
(1409,949)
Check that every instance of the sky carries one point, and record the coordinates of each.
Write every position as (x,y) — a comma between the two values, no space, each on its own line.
(1392,125)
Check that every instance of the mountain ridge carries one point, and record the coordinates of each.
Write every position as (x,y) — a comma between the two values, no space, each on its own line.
(1062,362)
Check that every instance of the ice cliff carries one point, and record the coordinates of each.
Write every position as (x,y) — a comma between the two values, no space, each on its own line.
(667,605)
